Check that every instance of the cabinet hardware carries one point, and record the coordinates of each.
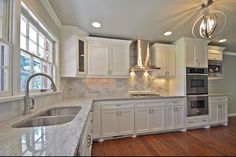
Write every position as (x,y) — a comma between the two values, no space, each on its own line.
(117,104)
(120,113)
(204,120)
(89,140)
(117,114)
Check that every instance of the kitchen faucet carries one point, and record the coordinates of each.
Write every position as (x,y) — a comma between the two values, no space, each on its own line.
(27,107)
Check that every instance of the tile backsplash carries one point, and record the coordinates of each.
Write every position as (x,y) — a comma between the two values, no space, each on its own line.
(95,87)
(14,108)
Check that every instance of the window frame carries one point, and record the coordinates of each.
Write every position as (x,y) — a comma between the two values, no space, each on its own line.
(5,40)
(35,55)
(8,67)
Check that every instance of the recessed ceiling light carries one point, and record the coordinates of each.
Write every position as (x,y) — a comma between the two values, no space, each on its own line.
(96,24)
(222,40)
(168,33)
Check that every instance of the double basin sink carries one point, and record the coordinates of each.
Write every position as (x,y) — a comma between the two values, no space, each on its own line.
(49,117)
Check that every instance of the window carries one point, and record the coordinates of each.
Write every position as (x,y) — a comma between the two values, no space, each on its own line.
(4,19)
(4,70)
(37,52)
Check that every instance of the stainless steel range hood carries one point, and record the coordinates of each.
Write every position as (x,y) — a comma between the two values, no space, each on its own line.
(140,56)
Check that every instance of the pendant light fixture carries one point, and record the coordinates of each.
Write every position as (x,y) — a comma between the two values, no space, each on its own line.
(210,24)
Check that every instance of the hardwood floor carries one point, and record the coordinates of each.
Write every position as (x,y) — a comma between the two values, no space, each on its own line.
(216,141)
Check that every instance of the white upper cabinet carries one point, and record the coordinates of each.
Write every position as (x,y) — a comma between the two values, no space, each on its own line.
(163,56)
(98,60)
(196,53)
(215,53)
(108,57)
(73,52)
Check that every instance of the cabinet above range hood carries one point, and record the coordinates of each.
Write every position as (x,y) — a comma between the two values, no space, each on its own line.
(140,56)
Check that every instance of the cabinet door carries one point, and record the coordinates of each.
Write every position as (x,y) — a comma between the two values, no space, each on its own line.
(109,123)
(190,49)
(160,60)
(179,117)
(119,58)
(171,62)
(157,118)
(213,113)
(222,112)
(98,60)
(201,54)
(96,121)
(142,120)
(170,121)
(126,121)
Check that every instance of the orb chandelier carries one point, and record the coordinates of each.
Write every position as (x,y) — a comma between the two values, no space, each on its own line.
(210,24)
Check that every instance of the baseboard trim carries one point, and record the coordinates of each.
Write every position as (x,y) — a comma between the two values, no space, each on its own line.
(232,115)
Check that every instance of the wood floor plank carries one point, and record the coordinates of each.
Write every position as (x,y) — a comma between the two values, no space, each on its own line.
(216,141)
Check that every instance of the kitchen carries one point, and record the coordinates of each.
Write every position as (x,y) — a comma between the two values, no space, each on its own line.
(89,85)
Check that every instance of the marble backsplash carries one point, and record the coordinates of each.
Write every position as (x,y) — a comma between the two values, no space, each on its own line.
(95,87)
(14,108)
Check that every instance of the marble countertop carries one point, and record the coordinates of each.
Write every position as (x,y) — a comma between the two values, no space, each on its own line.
(44,141)
(217,94)
(51,140)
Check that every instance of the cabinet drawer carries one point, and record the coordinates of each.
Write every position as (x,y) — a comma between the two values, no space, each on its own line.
(218,99)
(110,105)
(149,104)
(175,102)
(197,121)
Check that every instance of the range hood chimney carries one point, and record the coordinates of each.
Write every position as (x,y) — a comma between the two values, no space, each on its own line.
(140,56)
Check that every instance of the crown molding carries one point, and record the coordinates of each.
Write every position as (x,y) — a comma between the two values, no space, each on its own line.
(73,28)
(51,12)
(230,53)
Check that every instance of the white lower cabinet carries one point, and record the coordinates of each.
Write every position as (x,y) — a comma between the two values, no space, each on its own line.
(157,118)
(97,121)
(121,118)
(149,116)
(117,119)
(86,140)
(109,123)
(175,114)
(218,110)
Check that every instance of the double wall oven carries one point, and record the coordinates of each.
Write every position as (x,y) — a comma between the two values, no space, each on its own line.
(197,91)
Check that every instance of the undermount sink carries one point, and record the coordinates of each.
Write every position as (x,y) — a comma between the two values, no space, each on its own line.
(53,116)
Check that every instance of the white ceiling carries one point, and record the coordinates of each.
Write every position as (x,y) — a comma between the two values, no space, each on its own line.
(143,19)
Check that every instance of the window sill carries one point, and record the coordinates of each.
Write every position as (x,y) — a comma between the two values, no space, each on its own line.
(21,97)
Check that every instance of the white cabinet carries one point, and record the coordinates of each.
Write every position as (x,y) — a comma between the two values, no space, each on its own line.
(86,139)
(218,110)
(157,118)
(73,57)
(97,121)
(163,56)
(108,57)
(117,118)
(149,116)
(109,123)
(196,52)
(141,119)
(98,60)
(215,53)
(175,114)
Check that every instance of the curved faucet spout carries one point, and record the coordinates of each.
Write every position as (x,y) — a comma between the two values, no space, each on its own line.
(26,99)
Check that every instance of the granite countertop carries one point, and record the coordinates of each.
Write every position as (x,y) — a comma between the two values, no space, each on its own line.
(52,140)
